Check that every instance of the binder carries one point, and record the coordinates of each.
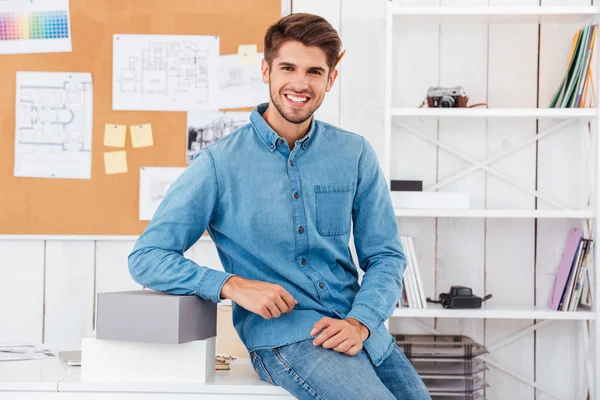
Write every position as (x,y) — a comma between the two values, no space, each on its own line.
(564,269)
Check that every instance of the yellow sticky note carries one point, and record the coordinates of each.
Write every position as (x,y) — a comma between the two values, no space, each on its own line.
(141,135)
(248,54)
(115,162)
(114,135)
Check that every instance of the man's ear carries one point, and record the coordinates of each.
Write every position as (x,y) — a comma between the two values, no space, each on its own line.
(332,77)
(265,71)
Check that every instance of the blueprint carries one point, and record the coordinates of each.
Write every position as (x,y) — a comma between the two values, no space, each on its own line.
(241,85)
(165,72)
(154,184)
(53,125)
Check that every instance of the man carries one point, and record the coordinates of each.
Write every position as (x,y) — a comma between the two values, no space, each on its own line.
(278,197)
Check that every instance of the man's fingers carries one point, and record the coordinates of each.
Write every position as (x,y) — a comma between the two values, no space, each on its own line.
(332,330)
(289,300)
(336,339)
(343,346)
(264,312)
(283,308)
(274,310)
(320,325)
(352,351)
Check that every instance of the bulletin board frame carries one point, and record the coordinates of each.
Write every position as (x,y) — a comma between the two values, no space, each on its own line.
(107,205)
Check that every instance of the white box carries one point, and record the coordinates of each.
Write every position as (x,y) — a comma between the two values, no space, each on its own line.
(122,361)
(430,200)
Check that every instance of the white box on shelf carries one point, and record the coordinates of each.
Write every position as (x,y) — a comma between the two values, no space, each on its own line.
(123,361)
(431,200)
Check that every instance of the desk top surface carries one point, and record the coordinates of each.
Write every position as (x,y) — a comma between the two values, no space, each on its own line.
(34,375)
(54,374)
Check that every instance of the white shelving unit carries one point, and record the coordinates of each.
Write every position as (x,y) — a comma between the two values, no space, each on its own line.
(535,15)
(494,311)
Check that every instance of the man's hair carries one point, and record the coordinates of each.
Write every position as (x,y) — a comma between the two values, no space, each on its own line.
(308,29)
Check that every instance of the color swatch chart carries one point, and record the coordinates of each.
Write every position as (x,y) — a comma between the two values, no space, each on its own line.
(34,25)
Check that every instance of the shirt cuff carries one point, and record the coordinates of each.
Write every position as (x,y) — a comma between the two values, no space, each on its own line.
(366,316)
(211,284)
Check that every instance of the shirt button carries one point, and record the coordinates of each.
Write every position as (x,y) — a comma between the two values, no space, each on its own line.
(291,163)
(271,147)
(280,141)
(301,229)
(296,195)
(303,262)
(321,285)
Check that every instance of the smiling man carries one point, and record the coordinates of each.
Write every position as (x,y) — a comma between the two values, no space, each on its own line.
(279,197)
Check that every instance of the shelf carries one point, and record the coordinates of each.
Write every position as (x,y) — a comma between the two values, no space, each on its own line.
(512,15)
(493,311)
(550,113)
(488,213)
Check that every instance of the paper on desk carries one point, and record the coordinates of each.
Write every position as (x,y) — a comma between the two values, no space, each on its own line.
(24,352)
(24,356)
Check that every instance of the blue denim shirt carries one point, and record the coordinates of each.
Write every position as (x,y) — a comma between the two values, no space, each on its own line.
(283,216)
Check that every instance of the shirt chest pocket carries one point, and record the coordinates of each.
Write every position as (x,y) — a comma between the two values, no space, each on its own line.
(334,208)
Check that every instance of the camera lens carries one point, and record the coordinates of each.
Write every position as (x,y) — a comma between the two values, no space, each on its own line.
(447,102)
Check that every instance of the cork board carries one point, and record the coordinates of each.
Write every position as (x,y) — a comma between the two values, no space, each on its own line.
(108,204)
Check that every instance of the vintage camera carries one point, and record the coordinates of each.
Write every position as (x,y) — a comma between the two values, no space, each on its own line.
(441,97)
(460,297)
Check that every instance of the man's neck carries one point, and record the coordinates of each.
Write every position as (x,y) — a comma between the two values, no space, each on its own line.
(287,130)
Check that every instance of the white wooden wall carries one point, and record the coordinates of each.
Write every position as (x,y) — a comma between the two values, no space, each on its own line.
(48,287)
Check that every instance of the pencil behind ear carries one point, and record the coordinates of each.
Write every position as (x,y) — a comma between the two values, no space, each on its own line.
(339,58)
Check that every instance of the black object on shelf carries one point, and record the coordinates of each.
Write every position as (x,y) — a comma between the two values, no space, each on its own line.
(460,297)
(406,186)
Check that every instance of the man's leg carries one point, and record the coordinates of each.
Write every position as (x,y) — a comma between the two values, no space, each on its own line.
(313,372)
(400,377)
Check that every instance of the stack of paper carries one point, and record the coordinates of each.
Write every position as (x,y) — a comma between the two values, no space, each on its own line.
(413,295)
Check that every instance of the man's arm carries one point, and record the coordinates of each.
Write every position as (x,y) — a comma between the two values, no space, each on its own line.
(157,260)
(377,242)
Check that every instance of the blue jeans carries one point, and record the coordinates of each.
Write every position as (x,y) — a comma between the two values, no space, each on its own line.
(313,372)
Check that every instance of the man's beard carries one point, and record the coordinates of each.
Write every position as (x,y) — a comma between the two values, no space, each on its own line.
(290,117)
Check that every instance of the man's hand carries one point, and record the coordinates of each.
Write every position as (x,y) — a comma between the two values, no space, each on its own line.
(343,336)
(263,298)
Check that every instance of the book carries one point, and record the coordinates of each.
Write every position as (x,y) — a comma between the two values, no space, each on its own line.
(564,268)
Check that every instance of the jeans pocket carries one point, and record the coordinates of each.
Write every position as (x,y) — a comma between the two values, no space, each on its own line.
(259,367)
(334,208)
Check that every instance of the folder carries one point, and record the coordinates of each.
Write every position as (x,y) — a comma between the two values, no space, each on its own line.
(564,268)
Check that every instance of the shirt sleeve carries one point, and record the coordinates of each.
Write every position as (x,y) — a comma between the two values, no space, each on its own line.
(157,260)
(378,246)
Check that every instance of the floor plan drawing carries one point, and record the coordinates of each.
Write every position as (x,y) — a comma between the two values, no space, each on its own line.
(53,125)
(240,85)
(165,72)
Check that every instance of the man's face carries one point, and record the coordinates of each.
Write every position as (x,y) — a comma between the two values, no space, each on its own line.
(298,80)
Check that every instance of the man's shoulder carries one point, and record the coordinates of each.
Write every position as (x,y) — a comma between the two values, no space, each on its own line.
(225,143)
(341,136)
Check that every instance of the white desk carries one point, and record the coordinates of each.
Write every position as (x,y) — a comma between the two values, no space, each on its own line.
(53,379)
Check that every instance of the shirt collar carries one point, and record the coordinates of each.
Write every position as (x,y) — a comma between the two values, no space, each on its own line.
(267,134)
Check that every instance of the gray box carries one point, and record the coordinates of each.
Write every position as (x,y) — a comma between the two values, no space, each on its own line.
(149,316)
